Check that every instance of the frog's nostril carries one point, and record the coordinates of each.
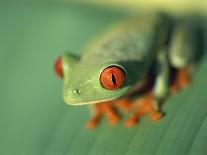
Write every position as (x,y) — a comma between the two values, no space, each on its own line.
(77,91)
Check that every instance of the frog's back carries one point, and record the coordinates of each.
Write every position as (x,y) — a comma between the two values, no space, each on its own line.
(130,40)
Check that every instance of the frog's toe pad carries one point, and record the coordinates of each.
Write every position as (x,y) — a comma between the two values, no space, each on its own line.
(91,124)
(130,122)
(113,119)
(157,116)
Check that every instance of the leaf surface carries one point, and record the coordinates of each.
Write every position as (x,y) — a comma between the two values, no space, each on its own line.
(33,117)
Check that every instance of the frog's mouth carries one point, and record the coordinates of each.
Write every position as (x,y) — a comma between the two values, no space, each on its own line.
(77,103)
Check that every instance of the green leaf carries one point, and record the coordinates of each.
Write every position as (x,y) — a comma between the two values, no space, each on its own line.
(33,117)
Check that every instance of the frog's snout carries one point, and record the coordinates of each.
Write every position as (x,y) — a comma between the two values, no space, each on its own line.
(72,96)
(74,93)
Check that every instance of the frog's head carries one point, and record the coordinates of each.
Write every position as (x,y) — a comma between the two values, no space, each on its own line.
(88,84)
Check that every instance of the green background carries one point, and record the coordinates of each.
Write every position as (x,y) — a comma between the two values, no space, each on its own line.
(33,116)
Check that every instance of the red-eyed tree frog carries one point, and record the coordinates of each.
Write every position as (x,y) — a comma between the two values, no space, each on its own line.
(134,56)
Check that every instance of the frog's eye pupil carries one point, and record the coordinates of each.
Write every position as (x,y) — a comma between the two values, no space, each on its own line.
(112,77)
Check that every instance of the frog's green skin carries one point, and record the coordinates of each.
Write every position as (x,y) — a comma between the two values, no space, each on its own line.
(135,45)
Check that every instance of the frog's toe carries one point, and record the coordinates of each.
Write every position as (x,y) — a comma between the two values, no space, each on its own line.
(156,116)
(131,122)
(109,111)
(113,119)
(91,124)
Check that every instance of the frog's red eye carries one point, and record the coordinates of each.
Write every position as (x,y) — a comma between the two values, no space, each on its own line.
(58,67)
(112,77)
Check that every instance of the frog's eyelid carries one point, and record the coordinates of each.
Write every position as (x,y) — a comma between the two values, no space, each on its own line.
(114,65)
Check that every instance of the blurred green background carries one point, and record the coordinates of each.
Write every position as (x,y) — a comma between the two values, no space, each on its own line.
(33,116)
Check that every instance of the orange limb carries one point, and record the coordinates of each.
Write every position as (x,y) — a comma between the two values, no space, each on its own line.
(182,79)
(101,109)
(108,109)
(145,105)
(92,123)
(123,104)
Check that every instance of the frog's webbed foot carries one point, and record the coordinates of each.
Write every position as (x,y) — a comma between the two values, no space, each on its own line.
(104,109)
(182,79)
(93,122)
(144,105)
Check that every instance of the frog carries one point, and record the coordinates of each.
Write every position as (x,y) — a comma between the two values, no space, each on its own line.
(133,57)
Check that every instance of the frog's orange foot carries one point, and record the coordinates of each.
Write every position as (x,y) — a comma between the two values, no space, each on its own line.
(91,124)
(131,122)
(156,116)
(113,119)
(107,109)
(182,79)
(144,105)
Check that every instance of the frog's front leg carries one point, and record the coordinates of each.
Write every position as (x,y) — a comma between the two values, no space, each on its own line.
(150,103)
(96,116)
(108,109)
(103,109)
